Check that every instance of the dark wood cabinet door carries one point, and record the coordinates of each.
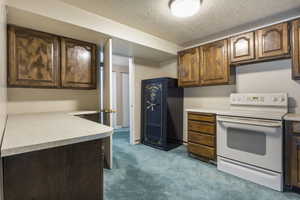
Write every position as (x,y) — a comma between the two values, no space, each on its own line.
(272,41)
(214,68)
(292,154)
(78,64)
(33,58)
(25,177)
(295,170)
(85,174)
(189,68)
(296,48)
(242,47)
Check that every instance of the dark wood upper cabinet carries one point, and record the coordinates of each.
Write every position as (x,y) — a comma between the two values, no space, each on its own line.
(78,64)
(272,41)
(296,48)
(189,68)
(242,47)
(214,63)
(33,58)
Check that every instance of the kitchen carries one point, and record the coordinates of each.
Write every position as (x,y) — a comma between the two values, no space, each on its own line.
(253,78)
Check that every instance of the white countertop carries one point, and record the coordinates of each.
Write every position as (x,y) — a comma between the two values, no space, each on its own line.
(83,112)
(292,117)
(206,110)
(32,132)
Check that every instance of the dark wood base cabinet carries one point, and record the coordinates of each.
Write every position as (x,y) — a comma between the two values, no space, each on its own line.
(292,156)
(72,172)
(202,135)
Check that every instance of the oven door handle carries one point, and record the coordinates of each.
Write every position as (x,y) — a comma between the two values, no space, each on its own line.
(253,122)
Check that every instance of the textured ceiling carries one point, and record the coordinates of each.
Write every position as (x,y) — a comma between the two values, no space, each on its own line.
(215,17)
(120,47)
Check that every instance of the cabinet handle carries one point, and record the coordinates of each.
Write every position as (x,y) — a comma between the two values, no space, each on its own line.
(108,111)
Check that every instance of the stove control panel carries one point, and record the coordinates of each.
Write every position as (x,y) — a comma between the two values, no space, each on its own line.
(259,99)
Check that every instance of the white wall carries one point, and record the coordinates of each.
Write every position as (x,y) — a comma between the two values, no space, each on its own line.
(2,66)
(30,100)
(270,77)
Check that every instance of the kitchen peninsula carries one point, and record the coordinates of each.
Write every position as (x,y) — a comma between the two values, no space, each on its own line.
(52,156)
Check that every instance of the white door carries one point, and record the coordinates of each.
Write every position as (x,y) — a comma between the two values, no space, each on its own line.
(125,95)
(107,100)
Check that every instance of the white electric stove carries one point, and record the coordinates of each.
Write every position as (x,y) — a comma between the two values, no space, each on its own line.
(250,138)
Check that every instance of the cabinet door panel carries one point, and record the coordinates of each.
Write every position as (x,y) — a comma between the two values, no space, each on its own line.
(295,172)
(35,175)
(85,171)
(33,58)
(188,67)
(78,64)
(242,47)
(272,41)
(296,48)
(214,64)
(202,150)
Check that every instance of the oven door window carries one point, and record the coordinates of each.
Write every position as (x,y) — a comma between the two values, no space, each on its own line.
(247,141)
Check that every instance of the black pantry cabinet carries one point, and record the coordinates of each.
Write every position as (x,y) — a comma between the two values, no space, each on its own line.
(162,113)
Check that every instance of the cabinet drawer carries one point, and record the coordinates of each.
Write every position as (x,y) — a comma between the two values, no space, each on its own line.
(203,127)
(199,138)
(202,117)
(201,150)
(296,127)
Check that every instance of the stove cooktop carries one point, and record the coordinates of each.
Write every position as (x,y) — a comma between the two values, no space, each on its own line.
(273,115)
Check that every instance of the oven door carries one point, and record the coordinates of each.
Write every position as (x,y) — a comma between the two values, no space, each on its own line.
(252,141)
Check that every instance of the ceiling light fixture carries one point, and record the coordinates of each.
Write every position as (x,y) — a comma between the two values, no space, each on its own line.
(184,8)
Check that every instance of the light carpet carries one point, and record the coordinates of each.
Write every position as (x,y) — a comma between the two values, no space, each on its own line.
(144,173)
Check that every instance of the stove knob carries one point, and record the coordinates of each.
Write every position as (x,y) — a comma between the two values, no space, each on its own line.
(275,99)
(262,99)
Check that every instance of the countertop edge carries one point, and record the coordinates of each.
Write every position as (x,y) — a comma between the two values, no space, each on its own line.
(49,145)
(205,110)
(292,117)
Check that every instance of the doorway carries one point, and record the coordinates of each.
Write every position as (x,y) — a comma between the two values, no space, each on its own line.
(121,97)
(124,116)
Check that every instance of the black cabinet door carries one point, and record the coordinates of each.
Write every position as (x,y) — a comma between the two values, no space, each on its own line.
(153,115)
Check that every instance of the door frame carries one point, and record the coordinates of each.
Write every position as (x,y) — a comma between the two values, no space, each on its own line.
(114,99)
(132,100)
(107,99)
